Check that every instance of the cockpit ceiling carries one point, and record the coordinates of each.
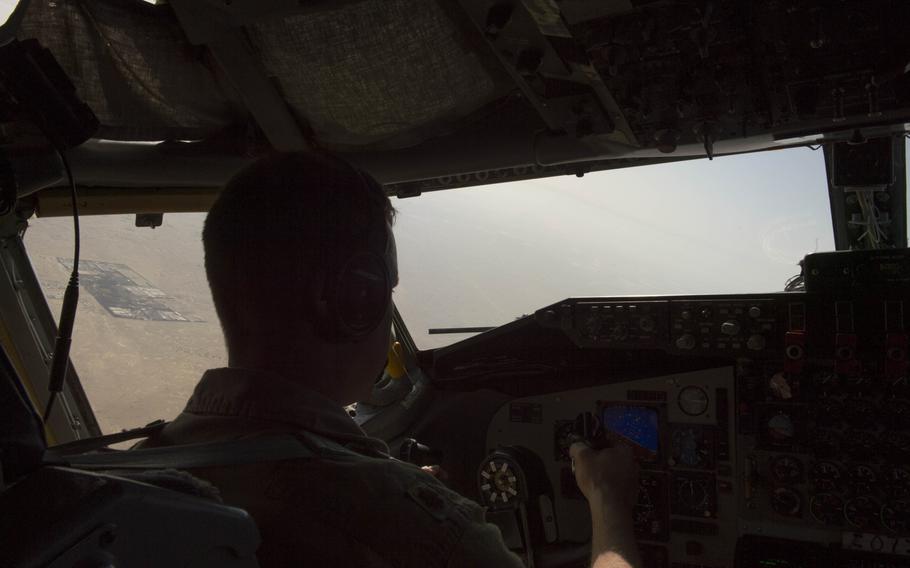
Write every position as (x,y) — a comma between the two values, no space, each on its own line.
(379,73)
(434,94)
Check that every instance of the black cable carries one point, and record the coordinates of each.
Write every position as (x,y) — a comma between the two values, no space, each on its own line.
(61,355)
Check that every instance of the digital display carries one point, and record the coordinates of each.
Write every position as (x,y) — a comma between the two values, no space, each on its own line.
(636,424)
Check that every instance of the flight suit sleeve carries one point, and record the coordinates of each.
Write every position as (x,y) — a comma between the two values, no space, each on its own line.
(481,545)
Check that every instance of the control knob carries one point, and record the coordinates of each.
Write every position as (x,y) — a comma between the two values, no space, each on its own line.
(756,342)
(685,342)
(730,327)
(754,312)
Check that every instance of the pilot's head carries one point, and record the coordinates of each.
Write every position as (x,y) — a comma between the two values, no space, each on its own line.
(300,258)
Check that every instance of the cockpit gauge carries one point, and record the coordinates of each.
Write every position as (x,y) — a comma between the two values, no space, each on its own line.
(694,495)
(786,502)
(896,516)
(692,446)
(862,478)
(862,512)
(897,482)
(786,469)
(827,509)
(693,401)
(825,476)
(780,428)
(499,482)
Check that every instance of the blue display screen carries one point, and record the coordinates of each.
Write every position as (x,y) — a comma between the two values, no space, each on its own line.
(636,424)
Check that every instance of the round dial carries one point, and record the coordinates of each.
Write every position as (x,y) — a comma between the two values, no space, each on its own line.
(862,478)
(498,482)
(825,476)
(786,469)
(862,512)
(693,494)
(827,508)
(896,516)
(786,502)
(897,482)
(693,401)
(780,428)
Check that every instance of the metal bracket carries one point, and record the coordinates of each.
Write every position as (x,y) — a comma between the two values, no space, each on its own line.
(552,71)
(854,190)
(233,53)
(27,329)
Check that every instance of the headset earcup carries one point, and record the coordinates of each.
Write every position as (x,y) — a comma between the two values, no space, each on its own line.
(357,298)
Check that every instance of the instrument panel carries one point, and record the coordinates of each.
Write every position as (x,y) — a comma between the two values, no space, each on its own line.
(789,446)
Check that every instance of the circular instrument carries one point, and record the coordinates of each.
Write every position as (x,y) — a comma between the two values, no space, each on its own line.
(786,502)
(692,494)
(693,401)
(825,476)
(786,469)
(897,482)
(863,512)
(862,478)
(827,508)
(780,428)
(896,516)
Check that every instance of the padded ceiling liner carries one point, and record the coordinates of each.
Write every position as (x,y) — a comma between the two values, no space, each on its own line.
(131,63)
(374,70)
(370,74)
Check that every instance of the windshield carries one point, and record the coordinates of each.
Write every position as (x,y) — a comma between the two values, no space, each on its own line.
(485,256)
(146,327)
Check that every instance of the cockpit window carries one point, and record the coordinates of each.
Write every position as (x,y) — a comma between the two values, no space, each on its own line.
(146,328)
(485,256)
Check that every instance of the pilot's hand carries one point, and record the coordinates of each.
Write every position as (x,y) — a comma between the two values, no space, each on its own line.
(606,476)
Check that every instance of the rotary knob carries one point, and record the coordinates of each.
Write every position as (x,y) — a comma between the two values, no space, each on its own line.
(756,342)
(685,342)
(730,327)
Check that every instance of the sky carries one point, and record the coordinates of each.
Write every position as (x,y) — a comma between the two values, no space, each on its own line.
(484,256)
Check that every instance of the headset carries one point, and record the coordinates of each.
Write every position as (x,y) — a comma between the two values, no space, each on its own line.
(358,287)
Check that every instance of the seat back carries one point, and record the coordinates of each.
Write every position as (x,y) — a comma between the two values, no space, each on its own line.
(62,517)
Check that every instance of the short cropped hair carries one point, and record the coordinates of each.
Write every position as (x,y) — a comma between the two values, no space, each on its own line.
(277,222)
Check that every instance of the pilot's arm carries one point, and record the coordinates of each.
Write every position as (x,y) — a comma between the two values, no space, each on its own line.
(608,479)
